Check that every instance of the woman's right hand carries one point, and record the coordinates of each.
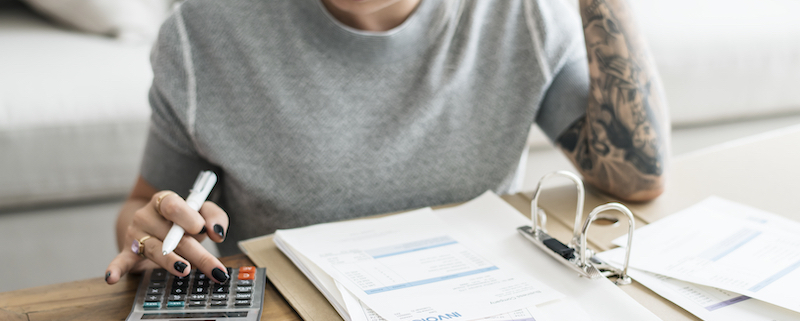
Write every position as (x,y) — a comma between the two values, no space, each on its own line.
(149,219)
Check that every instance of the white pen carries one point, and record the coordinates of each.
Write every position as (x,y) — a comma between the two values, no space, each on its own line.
(197,196)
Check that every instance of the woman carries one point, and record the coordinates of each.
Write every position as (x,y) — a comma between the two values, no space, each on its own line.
(314,111)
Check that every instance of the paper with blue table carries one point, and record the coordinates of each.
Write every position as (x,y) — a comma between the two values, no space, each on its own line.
(719,259)
(462,263)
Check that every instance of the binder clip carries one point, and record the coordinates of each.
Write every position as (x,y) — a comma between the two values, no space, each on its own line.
(576,254)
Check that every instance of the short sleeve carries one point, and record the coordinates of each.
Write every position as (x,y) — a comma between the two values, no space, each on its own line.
(566,98)
(170,160)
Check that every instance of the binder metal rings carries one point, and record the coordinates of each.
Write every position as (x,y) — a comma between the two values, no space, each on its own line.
(576,253)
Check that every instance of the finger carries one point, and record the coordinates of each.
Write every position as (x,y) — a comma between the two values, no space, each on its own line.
(203,261)
(171,262)
(148,222)
(173,208)
(216,221)
(120,266)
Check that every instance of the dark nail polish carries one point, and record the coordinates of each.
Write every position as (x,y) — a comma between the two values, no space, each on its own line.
(219,275)
(180,266)
(203,230)
(107,275)
(218,229)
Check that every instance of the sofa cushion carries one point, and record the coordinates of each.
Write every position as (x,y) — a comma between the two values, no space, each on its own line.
(73,112)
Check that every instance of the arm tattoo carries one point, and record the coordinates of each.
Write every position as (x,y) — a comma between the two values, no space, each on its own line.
(619,143)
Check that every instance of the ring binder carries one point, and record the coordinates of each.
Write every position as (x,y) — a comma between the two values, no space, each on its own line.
(576,253)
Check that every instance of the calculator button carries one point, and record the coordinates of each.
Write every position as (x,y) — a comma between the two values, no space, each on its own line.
(155,291)
(243,296)
(152,298)
(199,290)
(246,276)
(182,290)
(152,305)
(180,283)
(175,304)
(244,282)
(248,269)
(158,275)
(198,283)
(176,297)
(197,304)
(219,288)
(197,297)
(219,303)
(200,276)
(239,303)
(182,278)
(157,284)
(244,289)
(219,297)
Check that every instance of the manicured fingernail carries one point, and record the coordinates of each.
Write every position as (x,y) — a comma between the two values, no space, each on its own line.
(218,229)
(180,266)
(203,230)
(219,275)
(108,273)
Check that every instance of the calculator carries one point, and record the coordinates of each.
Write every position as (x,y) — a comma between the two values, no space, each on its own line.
(163,296)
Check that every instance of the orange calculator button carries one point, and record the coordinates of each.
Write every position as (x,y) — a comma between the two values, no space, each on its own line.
(248,269)
(246,276)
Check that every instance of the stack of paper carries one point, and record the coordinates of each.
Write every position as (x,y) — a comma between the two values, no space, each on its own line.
(720,261)
(461,263)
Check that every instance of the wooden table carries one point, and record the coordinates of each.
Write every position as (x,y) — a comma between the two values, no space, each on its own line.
(761,172)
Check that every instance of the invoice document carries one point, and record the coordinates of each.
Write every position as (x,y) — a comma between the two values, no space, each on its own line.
(725,245)
(705,302)
(461,250)
(409,267)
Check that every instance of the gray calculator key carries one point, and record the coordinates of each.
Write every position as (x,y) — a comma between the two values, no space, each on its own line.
(244,289)
(152,298)
(199,290)
(244,282)
(243,296)
(239,303)
(155,291)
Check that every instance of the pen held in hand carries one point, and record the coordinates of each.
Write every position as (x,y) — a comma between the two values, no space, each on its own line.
(197,196)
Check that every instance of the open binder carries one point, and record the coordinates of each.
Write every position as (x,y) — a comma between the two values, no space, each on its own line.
(599,297)
(576,254)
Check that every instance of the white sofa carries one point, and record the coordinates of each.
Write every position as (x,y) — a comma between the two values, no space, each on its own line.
(74,111)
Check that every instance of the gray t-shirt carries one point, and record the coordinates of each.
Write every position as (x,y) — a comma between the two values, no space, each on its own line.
(306,120)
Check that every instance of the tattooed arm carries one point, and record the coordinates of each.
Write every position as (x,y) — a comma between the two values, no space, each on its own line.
(621,146)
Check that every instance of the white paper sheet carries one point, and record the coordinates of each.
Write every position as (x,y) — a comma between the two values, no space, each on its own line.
(705,302)
(725,245)
(408,267)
